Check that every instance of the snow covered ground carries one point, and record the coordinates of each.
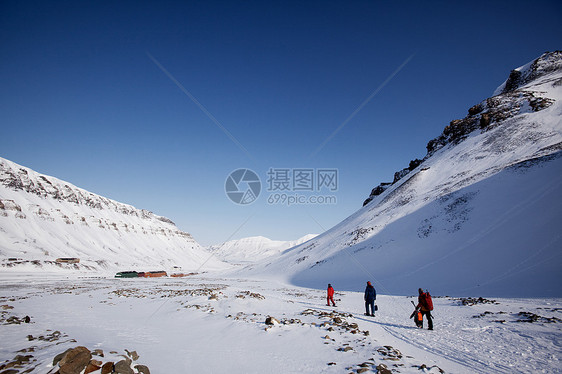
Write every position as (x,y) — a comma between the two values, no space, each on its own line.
(209,324)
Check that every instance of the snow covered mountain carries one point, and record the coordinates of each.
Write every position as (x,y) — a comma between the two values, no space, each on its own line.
(480,214)
(254,248)
(43,218)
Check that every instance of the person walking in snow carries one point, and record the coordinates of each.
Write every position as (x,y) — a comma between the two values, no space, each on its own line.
(330,295)
(370,297)
(425,306)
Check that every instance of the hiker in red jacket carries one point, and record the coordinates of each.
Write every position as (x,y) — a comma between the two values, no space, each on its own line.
(425,306)
(330,295)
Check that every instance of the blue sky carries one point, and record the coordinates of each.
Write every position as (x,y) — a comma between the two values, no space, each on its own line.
(80,98)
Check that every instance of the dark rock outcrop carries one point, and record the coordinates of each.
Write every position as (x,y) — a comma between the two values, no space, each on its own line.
(511,101)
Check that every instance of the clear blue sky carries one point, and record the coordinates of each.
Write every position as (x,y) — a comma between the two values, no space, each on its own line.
(80,98)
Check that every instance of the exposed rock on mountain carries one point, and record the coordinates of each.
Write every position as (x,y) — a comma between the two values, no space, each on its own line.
(43,218)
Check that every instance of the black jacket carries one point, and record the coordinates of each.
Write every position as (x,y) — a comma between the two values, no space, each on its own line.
(370,293)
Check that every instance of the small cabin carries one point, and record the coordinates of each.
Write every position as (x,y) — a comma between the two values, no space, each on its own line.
(67,260)
(155,274)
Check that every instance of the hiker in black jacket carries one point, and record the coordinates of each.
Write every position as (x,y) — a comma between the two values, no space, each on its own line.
(370,297)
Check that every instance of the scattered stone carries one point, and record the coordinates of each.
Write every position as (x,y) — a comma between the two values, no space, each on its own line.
(346,349)
(13,320)
(470,301)
(97,352)
(383,369)
(123,367)
(18,362)
(142,369)
(57,357)
(390,353)
(133,355)
(94,365)
(331,363)
(75,360)
(532,317)
(363,370)
(271,321)
(107,368)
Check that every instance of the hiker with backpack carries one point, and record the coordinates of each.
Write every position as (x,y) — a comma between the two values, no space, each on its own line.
(417,316)
(425,306)
(370,297)
(330,295)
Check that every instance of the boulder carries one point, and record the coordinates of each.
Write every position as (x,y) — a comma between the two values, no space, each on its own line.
(57,357)
(142,369)
(107,368)
(271,321)
(123,367)
(75,360)
(94,365)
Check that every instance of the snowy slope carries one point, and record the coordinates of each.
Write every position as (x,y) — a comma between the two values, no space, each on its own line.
(480,215)
(253,248)
(43,218)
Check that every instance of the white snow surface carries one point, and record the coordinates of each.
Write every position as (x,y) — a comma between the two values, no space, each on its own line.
(43,218)
(217,325)
(478,217)
(254,248)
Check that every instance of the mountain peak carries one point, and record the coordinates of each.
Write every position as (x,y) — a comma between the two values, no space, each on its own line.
(548,62)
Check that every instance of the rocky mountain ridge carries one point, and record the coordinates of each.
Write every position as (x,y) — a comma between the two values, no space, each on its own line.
(509,100)
(42,218)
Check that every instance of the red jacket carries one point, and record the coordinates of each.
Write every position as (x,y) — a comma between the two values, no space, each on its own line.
(422,303)
(330,291)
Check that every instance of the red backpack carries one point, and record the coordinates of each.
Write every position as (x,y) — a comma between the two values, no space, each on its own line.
(428,300)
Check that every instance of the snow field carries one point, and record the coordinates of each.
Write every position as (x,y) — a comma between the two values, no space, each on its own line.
(216,325)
